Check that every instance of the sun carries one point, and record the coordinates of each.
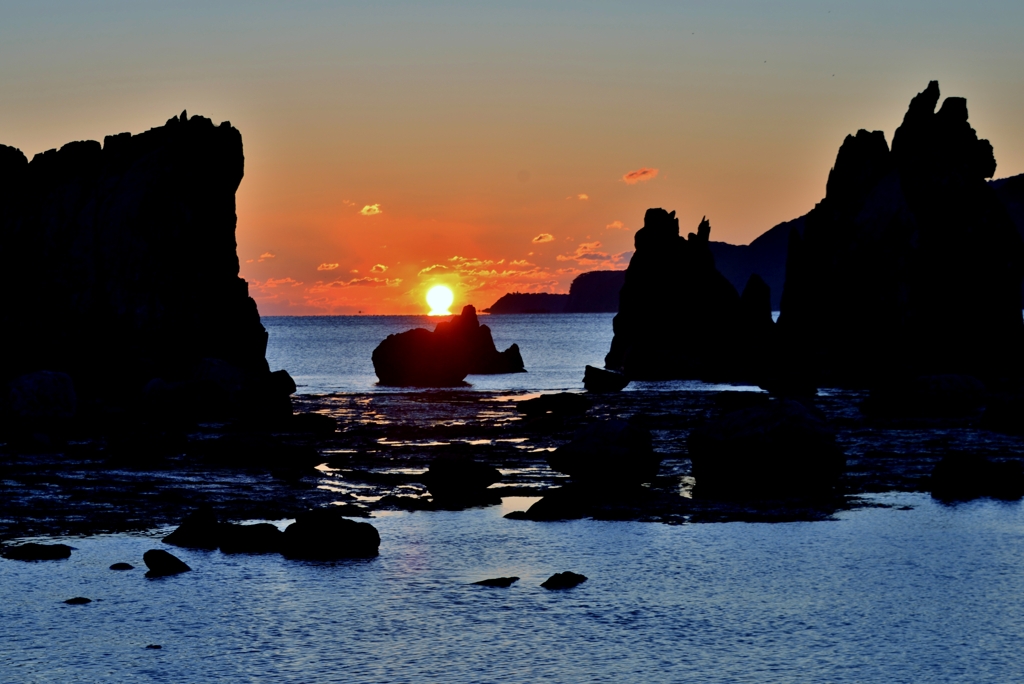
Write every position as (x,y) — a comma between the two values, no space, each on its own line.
(440,298)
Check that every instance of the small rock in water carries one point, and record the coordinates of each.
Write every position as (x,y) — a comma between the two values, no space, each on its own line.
(122,566)
(33,552)
(325,534)
(154,646)
(563,580)
(161,564)
(258,538)
(199,530)
(78,601)
(498,582)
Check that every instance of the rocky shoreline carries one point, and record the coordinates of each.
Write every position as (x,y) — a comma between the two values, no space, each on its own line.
(378,457)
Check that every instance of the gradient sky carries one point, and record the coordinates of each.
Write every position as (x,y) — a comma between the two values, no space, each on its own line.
(494,140)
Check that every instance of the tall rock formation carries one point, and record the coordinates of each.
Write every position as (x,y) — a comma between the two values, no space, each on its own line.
(124,261)
(911,264)
(679,318)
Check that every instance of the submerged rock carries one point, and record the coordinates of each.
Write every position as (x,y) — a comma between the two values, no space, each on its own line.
(558,404)
(969,476)
(324,534)
(162,564)
(257,538)
(122,566)
(461,480)
(601,380)
(783,448)
(498,582)
(610,452)
(444,357)
(563,580)
(33,551)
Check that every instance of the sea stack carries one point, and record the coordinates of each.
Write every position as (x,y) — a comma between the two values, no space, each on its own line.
(911,264)
(679,318)
(125,255)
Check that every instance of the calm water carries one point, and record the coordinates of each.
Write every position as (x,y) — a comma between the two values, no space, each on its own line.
(933,594)
(333,353)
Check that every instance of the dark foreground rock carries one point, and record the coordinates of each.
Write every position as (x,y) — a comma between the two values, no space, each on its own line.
(601,380)
(162,563)
(454,480)
(576,500)
(563,580)
(199,530)
(969,476)
(257,538)
(105,232)
(783,448)
(498,582)
(930,396)
(36,552)
(444,357)
(610,452)
(903,237)
(324,534)
(559,404)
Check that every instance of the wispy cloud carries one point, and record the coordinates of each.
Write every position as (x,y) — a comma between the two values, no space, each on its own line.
(358,282)
(642,174)
(581,196)
(544,237)
(616,225)
(378,268)
(374,209)
(326,267)
(265,256)
(277,282)
(433,269)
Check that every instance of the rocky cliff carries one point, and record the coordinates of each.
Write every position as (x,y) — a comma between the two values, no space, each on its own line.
(124,265)
(911,264)
(679,318)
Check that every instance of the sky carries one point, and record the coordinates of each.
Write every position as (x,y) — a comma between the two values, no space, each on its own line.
(498,147)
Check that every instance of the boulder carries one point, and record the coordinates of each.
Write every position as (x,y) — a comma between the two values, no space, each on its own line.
(36,552)
(444,357)
(324,534)
(614,452)
(969,476)
(784,448)
(498,582)
(560,404)
(462,480)
(257,538)
(162,564)
(563,580)
(601,380)
(199,530)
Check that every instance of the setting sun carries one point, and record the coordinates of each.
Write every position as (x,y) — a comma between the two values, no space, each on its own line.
(440,298)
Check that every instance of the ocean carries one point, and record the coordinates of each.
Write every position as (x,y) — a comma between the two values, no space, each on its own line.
(899,589)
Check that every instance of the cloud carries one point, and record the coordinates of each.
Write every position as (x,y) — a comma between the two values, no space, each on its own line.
(266,255)
(616,225)
(326,267)
(378,268)
(358,282)
(433,269)
(277,282)
(374,209)
(641,174)
(544,237)
(583,196)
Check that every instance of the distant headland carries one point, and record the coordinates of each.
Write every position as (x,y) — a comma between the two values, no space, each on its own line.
(591,292)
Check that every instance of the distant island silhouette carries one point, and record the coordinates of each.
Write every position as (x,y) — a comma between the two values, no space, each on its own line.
(591,292)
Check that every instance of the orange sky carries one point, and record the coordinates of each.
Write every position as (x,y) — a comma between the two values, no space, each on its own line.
(494,141)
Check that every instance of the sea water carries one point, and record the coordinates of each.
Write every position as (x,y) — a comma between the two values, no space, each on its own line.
(328,354)
(913,592)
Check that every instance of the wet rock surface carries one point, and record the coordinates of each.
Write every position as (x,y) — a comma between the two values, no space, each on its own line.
(386,441)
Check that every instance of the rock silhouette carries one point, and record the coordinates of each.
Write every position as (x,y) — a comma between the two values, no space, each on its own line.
(126,256)
(502,582)
(162,564)
(461,480)
(602,380)
(33,551)
(911,265)
(563,580)
(613,453)
(679,318)
(529,303)
(969,476)
(444,357)
(78,601)
(122,566)
(325,534)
